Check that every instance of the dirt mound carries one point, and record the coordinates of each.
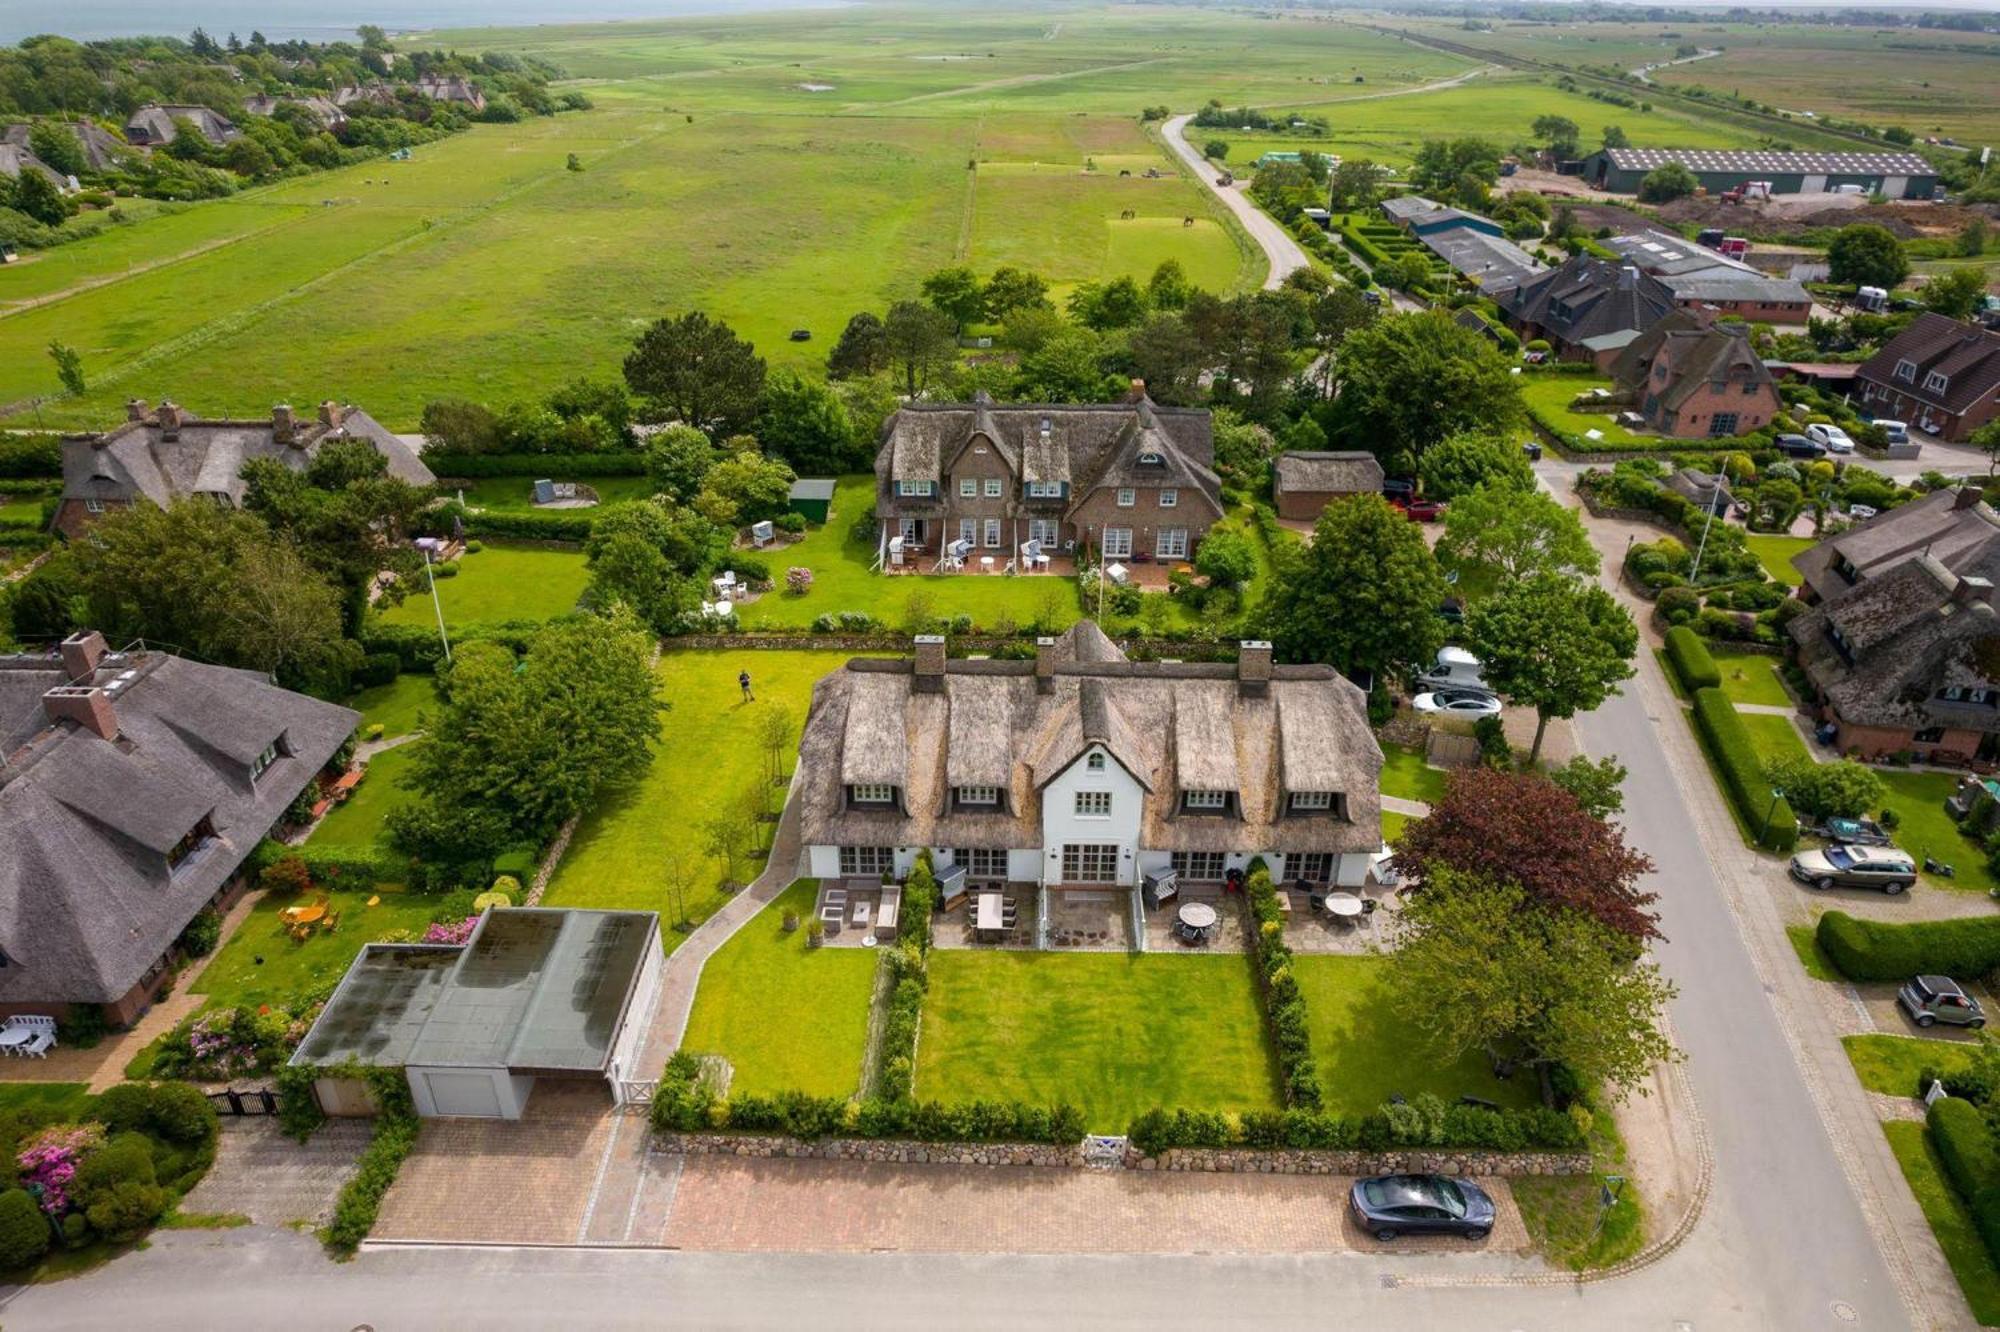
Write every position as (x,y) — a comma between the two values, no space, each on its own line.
(1789,214)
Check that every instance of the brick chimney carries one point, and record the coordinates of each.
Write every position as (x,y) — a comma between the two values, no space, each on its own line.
(930,663)
(171,417)
(135,409)
(1253,665)
(1972,590)
(331,414)
(1045,664)
(81,652)
(284,426)
(1137,392)
(86,705)
(1966,496)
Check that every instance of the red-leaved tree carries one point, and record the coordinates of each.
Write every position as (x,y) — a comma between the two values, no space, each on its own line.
(1524,828)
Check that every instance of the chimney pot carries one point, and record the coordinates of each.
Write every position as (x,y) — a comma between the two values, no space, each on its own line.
(1045,663)
(284,426)
(86,705)
(81,652)
(170,419)
(930,663)
(1253,664)
(135,409)
(1138,389)
(1966,496)
(331,413)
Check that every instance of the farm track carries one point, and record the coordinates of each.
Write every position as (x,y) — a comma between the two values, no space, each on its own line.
(1018,81)
(9,309)
(237,320)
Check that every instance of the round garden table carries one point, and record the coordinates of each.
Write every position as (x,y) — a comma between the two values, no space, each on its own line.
(1197,915)
(302,915)
(1343,904)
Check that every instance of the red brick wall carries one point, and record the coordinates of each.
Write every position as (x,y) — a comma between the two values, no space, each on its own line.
(1146,517)
(1756,312)
(1752,410)
(72,517)
(1888,403)
(1877,742)
(1304,505)
(980,463)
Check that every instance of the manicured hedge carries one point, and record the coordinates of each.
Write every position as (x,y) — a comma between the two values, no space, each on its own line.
(1742,772)
(1691,660)
(562,525)
(417,647)
(1868,950)
(568,466)
(1964,1144)
(1468,1127)
(332,866)
(909,963)
(1284,1004)
(30,455)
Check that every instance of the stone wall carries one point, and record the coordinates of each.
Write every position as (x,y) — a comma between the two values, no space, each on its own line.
(897,1151)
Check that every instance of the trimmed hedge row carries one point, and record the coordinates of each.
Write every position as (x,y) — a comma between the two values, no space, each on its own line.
(1284,1003)
(1868,950)
(396,1125)
(896,1071)
(1469,1127)
(417,648)
(481,466)
(1964,1143)
(30,455)
(332,866)
(1691,660)
(1774,825)
(571,525)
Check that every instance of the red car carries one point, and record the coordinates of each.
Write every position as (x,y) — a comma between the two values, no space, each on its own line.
(1419,510)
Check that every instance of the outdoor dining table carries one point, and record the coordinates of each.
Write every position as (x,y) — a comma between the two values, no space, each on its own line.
(1343,904)
(1197,915)
(14,1037)
(302,915)
(988,912)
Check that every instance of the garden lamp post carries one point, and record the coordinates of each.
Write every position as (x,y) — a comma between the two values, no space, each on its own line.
(1777,794)
(437,605)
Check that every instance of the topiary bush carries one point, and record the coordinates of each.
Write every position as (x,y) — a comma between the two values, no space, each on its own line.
(1868,950)
(1690,658)
(24,1232)
(378,668)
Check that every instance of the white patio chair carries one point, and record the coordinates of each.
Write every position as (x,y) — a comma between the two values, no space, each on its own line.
(39,1047)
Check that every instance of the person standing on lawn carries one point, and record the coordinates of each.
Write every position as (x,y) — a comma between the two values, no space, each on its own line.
(743,679)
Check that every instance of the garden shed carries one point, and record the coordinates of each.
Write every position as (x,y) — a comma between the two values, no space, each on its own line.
(533,993)
(812,498)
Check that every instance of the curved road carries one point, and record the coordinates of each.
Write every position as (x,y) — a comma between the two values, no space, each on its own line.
(1284,253)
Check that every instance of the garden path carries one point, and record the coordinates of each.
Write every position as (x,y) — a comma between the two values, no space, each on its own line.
(1416,809)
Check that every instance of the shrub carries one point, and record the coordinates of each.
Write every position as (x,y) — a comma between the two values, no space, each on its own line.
(1867,950)
(287,874)
(202,934)
(179,1113)
(125,1159)
(474,546)
(798,580)
(31,455)
(332,866)
(127,1211)
(1964,1145)
(396,1126)
(476,467)
(24,1233)
(1678,605)
(791,521)
(1771,822)
(1284,1004)
(378,668)
(1690,658)
(518,861)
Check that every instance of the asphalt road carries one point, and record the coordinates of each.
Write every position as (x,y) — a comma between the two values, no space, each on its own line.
(1279,248)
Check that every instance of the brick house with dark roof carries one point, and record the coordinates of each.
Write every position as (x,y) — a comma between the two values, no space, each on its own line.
(133,786)
(1939,375)
(1588,309)
(1694,380)
(1131,480)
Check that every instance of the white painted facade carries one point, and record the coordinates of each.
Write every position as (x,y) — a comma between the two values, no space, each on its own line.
(1095,774)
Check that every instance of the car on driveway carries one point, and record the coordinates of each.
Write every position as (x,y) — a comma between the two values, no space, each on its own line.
(1830,437)
(1472,703)
(1882,867)
(1798,446)
(1420,510)
(1930,1000)
(1390,1205)
(1897,432)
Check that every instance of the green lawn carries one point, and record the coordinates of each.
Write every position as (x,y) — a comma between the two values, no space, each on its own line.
(1405,774)
(787,1017)
(58,1100)
(626,851)
(1565,1214)
(1891,1063)
(1775,554)
(1925,829)
(514,494)
(1949,1218)
(1773,737)
(1548,397)
(1112,1034)
(843,580)
(1393,825)
(358,820)
(395,705)
(501,582)
(261,964)
(1805,942)
(1751,677)
(1364,1055)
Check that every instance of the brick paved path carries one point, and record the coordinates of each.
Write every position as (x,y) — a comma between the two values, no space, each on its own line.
(264,1175)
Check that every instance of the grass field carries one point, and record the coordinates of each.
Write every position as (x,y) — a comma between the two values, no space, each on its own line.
(396,706)
(1925,829)
(1114,1035)
(359,820)
(517,494)
(787,1017)
(626,851)
(1775,554)
(1890,1064)
(262,964)
(1751,677)
(1949,1220)
(1405,774)
(501,582)
(1365,1055)
(1548,398)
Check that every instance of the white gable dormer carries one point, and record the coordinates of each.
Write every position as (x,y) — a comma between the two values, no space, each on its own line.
(1093,803)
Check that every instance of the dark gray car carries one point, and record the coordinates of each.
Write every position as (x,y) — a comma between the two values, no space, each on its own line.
(1392,1205)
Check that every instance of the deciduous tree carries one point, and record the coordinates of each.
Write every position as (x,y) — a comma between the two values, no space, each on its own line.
(806,424)
(1467,461)
(1408,381)
(1559,644)
(1841,789)
(1496,536)
(1011,289)
(1597,784)
(919,342)
(863,348)
(1866,255)
(957,294)
(1363,596)
(695,370)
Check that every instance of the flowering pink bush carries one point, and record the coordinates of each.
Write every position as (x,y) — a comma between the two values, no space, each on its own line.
(451,934)
(49,1158)
(798,580)
(228,1043)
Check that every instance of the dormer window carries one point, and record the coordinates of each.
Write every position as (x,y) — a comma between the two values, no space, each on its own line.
(198,836)
(1317,802)
(979,797)
(1205,802)
(871,793)
(93,506)
(1045,490)
(915,489)
(1906,371)
(262,763)
(1936,383)
(1151,459)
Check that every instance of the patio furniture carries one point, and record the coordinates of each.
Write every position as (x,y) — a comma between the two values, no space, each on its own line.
(1343,906)
(303,915)
(951,887)
(39,1044)
(987,913)
(1284,903)
(887,911)
(861,915)
(28,1034)
(830,916)
(1197,915)
(986,564)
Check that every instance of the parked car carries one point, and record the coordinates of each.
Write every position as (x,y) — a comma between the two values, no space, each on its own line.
(1830,437)
(1390,1205)
(1861,513)
(1398,489)
(1455,668)
(1930,1000)
(1853,832)
(1457,703)
(1798,446)
(1882,867)
(1898,432)
(1420,510)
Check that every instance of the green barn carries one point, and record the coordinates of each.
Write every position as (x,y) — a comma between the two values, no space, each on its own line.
(1894,175)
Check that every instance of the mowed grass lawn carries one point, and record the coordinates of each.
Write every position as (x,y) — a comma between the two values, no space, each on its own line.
(1923,828)
(787,1017)
(1366,1052)
(1548,397)
(397,706)
(1405,774)
(626,851)
(359,820)
(1950,1219)
(1775,554)
(513,494)
(262,964)
(500,582)
(1751,677)
(1891,1064)
(1113,1034)
(843,580)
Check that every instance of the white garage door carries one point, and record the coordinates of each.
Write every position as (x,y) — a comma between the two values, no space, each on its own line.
(464,1094)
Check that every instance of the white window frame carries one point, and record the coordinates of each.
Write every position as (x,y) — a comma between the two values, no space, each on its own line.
(979,795)
(867,860)
(1090,862)
(1170,498)
(1936,383)
(262,763)
(982,862)
(1127,497)
(1095,762)
(992,534)
(914,489)
(1215,801)
(994,489)
(1093,804)
(93,506)
(1311,802)
(1201,866)
(1311,866)
(968,531)
(1151,460)
(1045,489)
(1048,531)
(1117,543)
(1906,371)
(872,793)
(1170,543)
(968,487)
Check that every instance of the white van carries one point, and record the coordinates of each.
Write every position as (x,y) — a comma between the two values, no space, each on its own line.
(1455,669)
(1898,432)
